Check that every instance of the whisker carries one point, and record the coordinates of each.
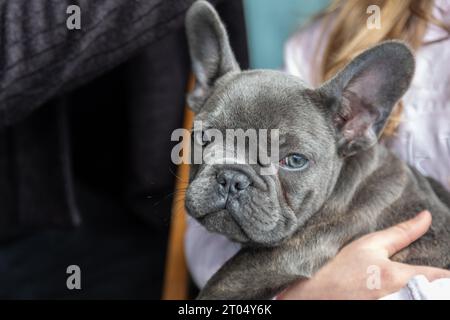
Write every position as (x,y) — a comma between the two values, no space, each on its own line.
(178,177)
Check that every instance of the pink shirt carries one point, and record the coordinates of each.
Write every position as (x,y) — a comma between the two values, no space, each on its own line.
(422,139)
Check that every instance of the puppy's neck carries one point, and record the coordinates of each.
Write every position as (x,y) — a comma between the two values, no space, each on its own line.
(371,180)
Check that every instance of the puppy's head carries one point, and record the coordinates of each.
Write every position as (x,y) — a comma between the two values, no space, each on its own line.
(318,130)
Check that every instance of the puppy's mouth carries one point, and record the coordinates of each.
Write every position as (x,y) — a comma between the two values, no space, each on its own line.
(250,230)
(214,221)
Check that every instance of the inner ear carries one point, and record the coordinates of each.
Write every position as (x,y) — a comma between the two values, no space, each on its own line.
(210,50)
(365,92)
(356,121)
(361,113)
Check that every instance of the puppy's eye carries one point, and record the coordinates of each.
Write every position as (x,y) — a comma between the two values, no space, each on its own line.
(201,137)
(294,161)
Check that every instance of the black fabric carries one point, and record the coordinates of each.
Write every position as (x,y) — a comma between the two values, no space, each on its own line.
(119,256)
(37,171)
(85,124)
(40,59)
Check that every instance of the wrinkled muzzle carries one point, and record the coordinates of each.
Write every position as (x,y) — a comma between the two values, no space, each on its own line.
(234,200)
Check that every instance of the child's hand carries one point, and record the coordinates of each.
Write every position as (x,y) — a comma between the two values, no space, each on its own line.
(346,275)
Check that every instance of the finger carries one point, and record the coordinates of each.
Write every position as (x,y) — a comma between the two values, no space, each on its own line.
(397,275)
(395,238)
(430,273)
(401,273)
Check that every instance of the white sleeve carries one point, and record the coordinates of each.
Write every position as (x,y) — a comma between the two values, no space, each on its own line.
(304,50)
(295,60)
(206,252)
(419,288)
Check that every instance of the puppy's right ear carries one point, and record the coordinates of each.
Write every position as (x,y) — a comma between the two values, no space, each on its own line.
(362,95)
(210,51)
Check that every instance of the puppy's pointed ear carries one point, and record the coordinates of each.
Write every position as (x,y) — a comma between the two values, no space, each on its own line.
(210,50)
(362,95)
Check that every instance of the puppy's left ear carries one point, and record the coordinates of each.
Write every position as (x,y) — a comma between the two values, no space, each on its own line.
(361,96)
(210,50)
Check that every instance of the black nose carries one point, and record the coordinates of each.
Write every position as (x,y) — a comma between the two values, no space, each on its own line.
(233,181)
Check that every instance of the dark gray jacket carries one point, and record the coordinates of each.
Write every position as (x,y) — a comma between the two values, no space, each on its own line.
(129,66)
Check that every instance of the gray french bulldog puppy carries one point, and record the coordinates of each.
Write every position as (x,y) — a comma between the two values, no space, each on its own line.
(334,183)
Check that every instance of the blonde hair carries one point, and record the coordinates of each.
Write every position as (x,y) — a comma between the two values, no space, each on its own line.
(406,20)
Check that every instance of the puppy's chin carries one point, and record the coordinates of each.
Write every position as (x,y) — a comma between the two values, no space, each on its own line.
(222,222)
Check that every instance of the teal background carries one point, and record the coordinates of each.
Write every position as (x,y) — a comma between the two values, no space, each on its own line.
(269,25)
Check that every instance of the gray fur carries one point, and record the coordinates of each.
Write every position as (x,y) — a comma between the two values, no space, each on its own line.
(291,223)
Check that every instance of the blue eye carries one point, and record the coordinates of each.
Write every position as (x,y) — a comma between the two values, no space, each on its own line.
(294,161)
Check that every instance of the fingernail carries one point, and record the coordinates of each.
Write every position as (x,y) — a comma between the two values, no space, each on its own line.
(423,213)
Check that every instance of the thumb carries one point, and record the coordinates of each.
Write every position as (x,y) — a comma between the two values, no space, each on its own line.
(395,238)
